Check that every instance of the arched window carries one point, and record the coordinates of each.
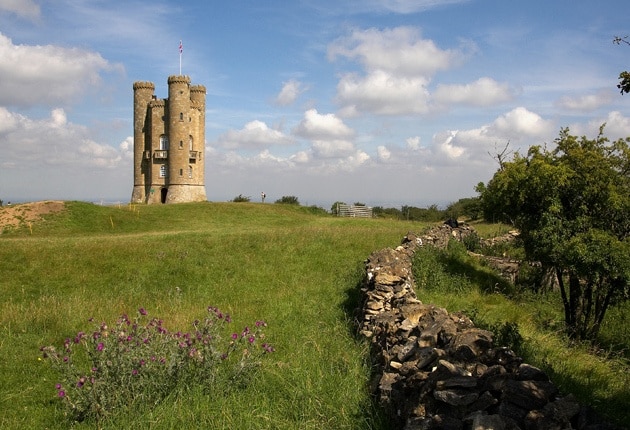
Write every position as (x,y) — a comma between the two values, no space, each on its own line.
(190,172)
(163,171)
(163,142)
(181,116)
(190,143)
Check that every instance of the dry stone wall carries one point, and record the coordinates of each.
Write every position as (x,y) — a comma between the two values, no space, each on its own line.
(436,370)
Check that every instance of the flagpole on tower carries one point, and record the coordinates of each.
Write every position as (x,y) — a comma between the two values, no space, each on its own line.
(181,49)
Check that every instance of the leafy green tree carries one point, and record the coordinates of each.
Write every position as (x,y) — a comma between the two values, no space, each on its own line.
(241,198)
(572,207)
(288,200)
(624,77)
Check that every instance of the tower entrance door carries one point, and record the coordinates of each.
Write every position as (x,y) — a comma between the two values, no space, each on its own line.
(163,193)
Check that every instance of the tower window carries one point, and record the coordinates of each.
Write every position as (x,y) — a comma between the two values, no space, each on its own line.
(190,143)
(181,144)
(181,116)
(163,171)
(163,142)
(181,172)
(190,172)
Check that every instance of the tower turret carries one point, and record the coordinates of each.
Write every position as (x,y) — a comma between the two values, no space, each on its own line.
(142,95)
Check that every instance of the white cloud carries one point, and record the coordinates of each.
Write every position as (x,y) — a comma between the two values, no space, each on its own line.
(413,143)
(290,91)
(483,92)
(46,74)
(322,126)
(27,9)
(255,134)
(383,154)
(617,126)
(400,51)
(586,102)
(521,123)
(399,66)
(334,148)
(383,94)
(38,143)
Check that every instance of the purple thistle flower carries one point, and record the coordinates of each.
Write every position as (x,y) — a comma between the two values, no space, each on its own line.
(58,386)
(234,336)
(61,393)
(251,339)
(100,346)
(134,372)
(142,311)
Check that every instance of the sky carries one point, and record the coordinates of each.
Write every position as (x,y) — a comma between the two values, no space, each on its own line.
(383,102)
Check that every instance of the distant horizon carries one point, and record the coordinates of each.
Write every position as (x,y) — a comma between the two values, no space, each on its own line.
(253,199)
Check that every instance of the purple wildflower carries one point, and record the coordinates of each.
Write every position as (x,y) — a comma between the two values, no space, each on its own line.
(100,346)
(61,393)
(142,311)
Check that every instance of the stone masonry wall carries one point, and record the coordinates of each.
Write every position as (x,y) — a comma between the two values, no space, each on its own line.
(436,370)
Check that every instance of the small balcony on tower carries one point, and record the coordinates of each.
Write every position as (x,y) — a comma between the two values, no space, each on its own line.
(194,155)
(160,155)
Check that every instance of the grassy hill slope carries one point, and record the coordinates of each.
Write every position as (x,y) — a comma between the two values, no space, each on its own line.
(280,263)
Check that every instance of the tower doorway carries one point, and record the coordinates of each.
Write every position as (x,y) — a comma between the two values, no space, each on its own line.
(163,193)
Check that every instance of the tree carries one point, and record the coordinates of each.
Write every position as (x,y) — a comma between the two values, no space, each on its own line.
(624,77)
(241,198)
(288,200)
(572,207)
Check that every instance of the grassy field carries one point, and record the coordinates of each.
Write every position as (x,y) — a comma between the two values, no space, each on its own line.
(280,263)
(296,270)
(598,377)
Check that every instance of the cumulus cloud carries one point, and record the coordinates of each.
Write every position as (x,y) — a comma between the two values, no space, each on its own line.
(322,126)
(47,75)
(520,122)
(401,51)
(383,154)
(399,65)
(413,143)
(586,102)
(255,134)
(617,126)
(383,94)
(26,9)
(483,92)
(290,91)
(37,143)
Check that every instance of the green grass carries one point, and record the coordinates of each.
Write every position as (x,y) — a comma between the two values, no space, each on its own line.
(599,378)
(280,263)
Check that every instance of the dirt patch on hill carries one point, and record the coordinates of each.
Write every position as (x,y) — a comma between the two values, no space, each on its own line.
(24,213)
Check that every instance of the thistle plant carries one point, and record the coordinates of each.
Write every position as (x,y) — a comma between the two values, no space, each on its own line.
(139,362)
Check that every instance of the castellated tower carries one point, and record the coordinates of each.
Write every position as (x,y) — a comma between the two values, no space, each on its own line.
(169,140)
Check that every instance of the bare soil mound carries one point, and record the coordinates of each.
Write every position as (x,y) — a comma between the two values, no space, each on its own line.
(14,215)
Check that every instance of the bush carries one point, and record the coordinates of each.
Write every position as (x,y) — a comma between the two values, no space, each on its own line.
(139,362)
(241,198)
(288,200)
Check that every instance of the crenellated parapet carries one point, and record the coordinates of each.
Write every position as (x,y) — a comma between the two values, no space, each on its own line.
(143,85)
(198,89)
(179,79)
(161,103)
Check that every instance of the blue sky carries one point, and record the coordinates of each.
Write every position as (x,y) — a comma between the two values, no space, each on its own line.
(385,102)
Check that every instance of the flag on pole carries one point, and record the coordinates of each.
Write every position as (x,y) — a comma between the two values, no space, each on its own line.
(181,49)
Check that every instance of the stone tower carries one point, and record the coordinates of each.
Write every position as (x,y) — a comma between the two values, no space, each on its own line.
(168,142)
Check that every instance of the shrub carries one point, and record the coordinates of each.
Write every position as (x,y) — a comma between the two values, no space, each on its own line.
(241,198)
(288,200)
(139,362)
